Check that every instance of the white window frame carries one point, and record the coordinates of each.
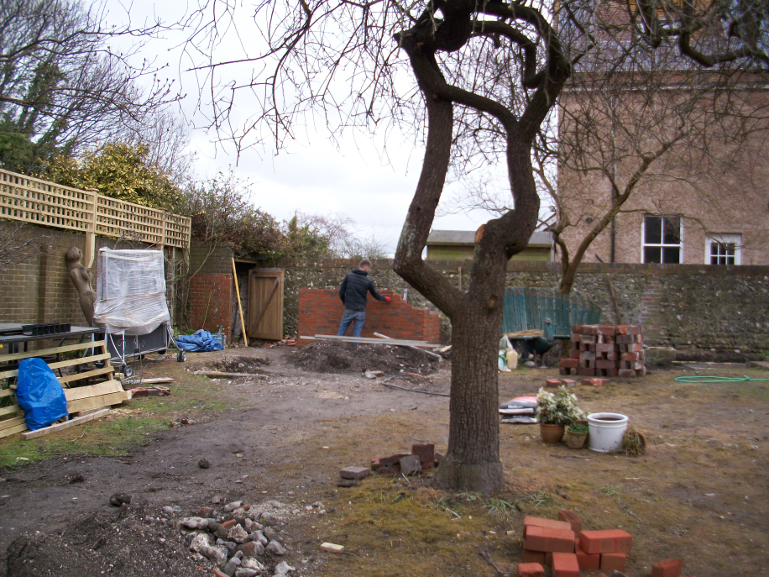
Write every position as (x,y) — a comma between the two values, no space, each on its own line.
(662,245)
(724,238)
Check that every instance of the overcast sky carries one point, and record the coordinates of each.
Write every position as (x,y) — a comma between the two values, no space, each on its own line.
(311,175)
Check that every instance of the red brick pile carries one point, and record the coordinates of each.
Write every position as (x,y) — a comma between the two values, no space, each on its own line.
(605,351)
(428,458)
(563,546)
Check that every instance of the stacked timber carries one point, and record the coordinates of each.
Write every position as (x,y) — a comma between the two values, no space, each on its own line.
(81,397)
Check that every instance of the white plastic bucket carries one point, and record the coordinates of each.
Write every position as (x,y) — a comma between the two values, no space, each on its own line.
(606,431)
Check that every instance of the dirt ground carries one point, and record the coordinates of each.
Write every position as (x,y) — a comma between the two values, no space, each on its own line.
(278,440)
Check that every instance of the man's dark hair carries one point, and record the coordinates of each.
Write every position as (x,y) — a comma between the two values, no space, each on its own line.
(364,263)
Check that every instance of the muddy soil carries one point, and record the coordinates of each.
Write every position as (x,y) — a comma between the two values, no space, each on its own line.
(699,492)
(334,357)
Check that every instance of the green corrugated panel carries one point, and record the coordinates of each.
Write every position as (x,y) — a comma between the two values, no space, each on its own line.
(520,309)
(558,314)
(528,308)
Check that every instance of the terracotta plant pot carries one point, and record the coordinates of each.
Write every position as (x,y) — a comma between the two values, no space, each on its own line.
(575,440)
(551,433)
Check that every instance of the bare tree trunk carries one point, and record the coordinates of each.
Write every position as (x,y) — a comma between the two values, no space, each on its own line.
(472,460)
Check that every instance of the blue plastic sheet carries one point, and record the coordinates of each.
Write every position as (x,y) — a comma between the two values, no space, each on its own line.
(200,342)
(39,394)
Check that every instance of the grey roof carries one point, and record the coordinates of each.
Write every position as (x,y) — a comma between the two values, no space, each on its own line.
(465,237)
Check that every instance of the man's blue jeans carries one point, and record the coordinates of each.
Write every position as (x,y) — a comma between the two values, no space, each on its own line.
(347,318)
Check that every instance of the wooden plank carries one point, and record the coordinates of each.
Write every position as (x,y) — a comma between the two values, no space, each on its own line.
(8,423)
(85,375)
(61,364)
(10,410)
(243,330)
(13,430)
(56,350)
(156,381)
(432,354)
(6,393)
(221,375)
(93,390)
(65,425)
(97,402)
(371,341)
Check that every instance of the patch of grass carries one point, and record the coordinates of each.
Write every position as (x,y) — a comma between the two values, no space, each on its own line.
(611,490)
(191,396)
(391,530)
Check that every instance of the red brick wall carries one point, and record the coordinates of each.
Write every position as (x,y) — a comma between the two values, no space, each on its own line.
(211,302)
(320,311)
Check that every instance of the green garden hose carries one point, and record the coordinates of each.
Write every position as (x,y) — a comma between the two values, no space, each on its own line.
(715,379)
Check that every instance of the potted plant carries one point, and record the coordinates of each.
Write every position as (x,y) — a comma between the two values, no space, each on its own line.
(555,412)
(575,435)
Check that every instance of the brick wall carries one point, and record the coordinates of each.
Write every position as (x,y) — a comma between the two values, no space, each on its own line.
(211,302)
(211,289)
(684,306)
(320,312)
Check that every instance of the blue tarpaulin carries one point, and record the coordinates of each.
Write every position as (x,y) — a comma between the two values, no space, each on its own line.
(39,394)
(200,342)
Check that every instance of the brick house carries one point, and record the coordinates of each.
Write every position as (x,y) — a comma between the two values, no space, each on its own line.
(705,199)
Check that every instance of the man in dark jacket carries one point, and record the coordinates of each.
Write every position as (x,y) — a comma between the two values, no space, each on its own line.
(353,294)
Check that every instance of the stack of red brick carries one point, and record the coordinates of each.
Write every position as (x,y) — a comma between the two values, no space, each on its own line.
(605,351)
(567,549)
(563,546)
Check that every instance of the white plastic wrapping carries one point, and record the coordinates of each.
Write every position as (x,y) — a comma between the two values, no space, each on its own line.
(130,291)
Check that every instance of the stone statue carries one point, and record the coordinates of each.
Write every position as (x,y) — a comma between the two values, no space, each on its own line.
(81,278)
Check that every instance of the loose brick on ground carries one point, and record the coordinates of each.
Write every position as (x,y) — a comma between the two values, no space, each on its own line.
(571,518)
(588,561)
(606,541)
(667,568)
(613,561)
(357,473)
(565,565)
(533,556)
(530,570)
(529,520)
(425,452)
(547,539)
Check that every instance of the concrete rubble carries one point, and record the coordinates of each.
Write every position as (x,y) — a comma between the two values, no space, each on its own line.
(240,540)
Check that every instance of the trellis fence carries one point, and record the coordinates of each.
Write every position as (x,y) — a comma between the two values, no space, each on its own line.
(36,201)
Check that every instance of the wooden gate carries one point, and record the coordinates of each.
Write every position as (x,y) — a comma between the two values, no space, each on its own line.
(265,304)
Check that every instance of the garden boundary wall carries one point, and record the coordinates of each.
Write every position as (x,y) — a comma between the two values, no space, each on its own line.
(683,306)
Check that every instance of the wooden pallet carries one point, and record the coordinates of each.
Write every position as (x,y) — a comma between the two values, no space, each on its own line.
(84,398)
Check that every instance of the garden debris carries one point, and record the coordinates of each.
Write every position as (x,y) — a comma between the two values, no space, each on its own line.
(394,464)
(373,374)
(356,473)
(156,391)
(520,410)
(332,547)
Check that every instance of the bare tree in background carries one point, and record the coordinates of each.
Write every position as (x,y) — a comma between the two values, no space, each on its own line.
(385,63)
(62,85)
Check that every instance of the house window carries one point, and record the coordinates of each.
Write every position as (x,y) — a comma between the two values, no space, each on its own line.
(723,249)
(662,239)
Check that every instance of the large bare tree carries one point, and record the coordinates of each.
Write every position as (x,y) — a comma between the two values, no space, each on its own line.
(441,65)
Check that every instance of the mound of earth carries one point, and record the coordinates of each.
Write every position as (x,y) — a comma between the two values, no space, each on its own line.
(338,357)
(240,364)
